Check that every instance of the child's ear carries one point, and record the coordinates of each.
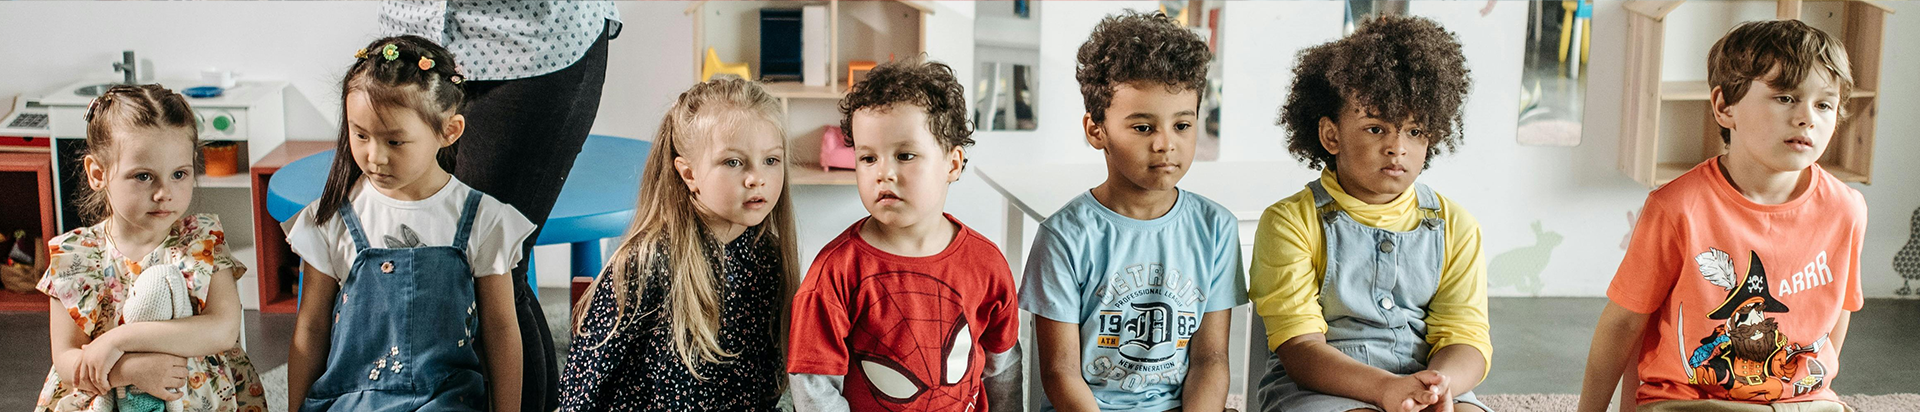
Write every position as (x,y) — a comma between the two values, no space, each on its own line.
(957,159)
(1722,109)
(1096,136)
(96,173)
(684,168)
(455,127)
(1329,136)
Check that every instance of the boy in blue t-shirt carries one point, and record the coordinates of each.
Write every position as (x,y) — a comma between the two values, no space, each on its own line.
(1131,282)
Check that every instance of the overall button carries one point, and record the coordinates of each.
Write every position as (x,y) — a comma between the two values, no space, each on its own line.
(386,267)
(1386,303)
(1386,246)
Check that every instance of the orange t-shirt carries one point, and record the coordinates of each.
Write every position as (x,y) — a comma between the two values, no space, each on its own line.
(1742,295)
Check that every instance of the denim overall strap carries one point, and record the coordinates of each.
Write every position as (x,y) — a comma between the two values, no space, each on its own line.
(466,220)
(352,220)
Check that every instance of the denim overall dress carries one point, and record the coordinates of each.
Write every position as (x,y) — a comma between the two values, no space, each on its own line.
(403,329)
(1374,297)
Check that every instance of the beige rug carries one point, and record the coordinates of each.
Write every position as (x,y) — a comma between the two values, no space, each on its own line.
(1899,402)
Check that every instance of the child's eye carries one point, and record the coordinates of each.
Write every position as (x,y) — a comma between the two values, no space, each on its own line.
(905,156)
(1826,106)
(144,177)
(360,137)
(869,158)
(1375,130)
(180,175)
(395,143)
(1416,132)
(773,161)
(733,163)
(1141,128)
(1183,126)
(1783,99)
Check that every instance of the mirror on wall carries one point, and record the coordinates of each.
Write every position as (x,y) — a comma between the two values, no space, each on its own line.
(1006,45)
(1553,81)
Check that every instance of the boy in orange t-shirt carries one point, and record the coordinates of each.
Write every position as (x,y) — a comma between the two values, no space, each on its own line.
(1742,273)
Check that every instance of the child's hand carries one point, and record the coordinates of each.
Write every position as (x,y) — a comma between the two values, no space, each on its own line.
(1414,393)
(96,361)
(1444,393)
(157,374)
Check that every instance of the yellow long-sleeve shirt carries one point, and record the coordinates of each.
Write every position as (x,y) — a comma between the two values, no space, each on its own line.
(1289,262)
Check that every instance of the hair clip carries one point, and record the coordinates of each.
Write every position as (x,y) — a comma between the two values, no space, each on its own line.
(391,52)
(456,79)
(93,105)
(426,63)
(360,54)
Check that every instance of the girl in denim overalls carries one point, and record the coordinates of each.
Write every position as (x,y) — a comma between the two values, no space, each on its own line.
(1372,287)
(403,306)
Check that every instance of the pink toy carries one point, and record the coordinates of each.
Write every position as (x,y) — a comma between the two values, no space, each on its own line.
(834,151)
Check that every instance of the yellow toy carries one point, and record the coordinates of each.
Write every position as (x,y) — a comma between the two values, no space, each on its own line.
(715,66)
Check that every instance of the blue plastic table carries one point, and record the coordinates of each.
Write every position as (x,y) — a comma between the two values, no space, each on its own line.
(596,203)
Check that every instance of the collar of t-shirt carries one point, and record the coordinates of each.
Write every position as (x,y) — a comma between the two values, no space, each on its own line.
(367,191)
(1399,215)
(1725,191)
(1179,205)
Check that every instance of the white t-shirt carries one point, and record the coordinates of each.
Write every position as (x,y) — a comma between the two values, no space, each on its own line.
(493,245)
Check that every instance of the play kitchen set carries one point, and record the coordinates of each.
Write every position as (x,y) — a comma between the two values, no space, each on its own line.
(240,122)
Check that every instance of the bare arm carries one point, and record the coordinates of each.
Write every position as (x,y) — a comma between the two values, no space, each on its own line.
(1618,331)
(1319,367)
(500,331)
(312,335)
(1207,375)
(1060,365)
(1463,365)
(216,329)
(67,342)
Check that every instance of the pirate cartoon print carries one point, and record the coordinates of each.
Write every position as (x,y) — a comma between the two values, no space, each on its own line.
(1748,357)
(1147,315)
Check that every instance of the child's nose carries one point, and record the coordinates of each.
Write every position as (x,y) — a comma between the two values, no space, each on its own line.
(1162,141)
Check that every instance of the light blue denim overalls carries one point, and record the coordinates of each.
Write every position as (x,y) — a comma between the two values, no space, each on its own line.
(403,329)
(1374,297)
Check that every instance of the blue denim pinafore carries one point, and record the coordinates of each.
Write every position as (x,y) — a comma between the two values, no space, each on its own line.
(403,329)
(1374,297)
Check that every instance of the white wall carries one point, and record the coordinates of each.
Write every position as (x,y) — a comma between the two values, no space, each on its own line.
(1574,191)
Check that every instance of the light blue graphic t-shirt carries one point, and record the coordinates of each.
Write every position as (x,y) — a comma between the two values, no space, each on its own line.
(1138,289)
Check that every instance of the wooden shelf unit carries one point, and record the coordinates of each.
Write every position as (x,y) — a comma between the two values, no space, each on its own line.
(1849,156)
(857,30)
(37,166)
(277,268)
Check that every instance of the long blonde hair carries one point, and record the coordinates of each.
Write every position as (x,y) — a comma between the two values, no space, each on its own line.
(668,218)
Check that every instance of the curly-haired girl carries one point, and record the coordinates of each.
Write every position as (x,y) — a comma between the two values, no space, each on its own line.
(1373,287)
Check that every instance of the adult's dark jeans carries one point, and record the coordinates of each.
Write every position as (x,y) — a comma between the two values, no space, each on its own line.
(522,136)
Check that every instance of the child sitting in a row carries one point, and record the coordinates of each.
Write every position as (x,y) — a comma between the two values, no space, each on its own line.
(687,318)
(1373,286)
(142,148)
(403,305)
(907,309)
(1131,282)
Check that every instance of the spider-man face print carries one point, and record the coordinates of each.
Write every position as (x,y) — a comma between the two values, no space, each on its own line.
(912,349)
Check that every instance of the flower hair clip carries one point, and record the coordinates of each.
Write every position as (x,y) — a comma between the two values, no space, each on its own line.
(425,63)
(391,52)
(456,79)
(360,54)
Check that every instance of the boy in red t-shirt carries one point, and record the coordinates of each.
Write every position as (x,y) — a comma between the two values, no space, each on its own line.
(1742,273)
(907,309)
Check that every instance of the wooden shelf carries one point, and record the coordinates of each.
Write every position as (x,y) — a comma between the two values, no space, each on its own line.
(1849,156)
(797,90)
(236,180)
(810,174)
(276,267)
(1697,90)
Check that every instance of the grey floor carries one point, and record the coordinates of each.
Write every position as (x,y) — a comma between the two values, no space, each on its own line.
(1540,346)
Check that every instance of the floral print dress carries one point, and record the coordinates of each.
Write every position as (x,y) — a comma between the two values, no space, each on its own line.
(91,279)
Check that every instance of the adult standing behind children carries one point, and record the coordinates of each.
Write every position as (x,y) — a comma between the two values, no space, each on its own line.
(534,71)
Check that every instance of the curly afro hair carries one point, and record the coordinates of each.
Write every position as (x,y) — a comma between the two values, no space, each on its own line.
(1397,67)
(1134,47)
(929,85)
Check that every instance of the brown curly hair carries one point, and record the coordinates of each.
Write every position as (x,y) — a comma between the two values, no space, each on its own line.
(917,82)
(1134,47)
(1397,67)
(1753,48)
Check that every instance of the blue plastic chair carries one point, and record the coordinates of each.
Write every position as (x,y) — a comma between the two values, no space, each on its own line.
(596,202)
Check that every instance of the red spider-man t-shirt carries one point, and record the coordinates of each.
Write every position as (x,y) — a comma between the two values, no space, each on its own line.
(909,333)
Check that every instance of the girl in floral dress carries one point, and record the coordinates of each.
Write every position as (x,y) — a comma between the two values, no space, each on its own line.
(140,161)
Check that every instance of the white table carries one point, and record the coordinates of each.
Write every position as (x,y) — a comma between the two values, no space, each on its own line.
(1245,188)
